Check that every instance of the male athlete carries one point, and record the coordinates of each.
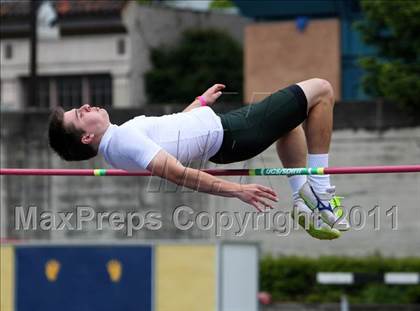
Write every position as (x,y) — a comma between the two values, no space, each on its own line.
(163,145)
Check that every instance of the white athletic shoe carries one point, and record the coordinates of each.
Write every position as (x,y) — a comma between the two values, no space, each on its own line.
(332,213)
(312,223)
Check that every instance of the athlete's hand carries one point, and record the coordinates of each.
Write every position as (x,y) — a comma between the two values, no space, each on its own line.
(213,93)
(257,196)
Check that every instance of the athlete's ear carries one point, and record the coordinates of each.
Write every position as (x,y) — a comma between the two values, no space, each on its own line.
(87,138)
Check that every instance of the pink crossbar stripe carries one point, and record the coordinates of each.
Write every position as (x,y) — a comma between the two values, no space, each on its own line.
(215,172)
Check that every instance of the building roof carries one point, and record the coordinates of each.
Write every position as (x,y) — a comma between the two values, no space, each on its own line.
(74,16)
(290,9)
(21,8)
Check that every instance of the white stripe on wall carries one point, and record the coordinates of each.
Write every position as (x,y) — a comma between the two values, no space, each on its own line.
(334,278)
(402,278)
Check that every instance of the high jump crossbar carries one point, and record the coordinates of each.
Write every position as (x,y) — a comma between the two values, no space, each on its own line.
(220,172)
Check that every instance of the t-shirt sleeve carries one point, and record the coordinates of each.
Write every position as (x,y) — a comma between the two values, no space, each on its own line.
(138,148)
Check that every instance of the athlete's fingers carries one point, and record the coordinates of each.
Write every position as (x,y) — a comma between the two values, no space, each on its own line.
(254,203)
(265,204)
(267,190)
(268,196)
(216,91)
(219,87)
(217,95)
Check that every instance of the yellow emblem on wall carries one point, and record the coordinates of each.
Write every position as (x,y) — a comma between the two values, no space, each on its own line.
(114,268)
(52,268)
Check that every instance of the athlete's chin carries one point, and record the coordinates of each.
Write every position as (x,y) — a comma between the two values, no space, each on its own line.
(104,114)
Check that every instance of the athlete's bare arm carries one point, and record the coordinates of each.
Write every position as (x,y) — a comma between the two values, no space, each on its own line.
(168,167)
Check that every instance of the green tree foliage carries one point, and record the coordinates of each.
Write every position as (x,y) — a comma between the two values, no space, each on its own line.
(293,279)
(221,4)
(201,59)
(393,28)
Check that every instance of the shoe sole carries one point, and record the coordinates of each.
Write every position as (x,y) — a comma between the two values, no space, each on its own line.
(318,233)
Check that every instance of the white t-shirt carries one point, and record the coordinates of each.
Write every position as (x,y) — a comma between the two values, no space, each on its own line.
(188,136)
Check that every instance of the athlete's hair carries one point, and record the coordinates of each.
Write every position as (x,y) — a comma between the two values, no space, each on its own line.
(66,140)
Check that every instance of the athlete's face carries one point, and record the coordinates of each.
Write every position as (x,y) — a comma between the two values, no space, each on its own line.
(91,120)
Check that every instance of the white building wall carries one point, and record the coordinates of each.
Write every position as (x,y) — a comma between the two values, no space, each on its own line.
(121,90)
(10,96)
(148,27)
(89,54)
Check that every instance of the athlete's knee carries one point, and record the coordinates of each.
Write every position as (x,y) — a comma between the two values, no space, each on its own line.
(324,88)
(317,90)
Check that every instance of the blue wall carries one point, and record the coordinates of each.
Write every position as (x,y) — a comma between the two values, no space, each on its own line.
(84,278)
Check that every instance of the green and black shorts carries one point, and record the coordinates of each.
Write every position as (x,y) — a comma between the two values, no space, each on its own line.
(251,129)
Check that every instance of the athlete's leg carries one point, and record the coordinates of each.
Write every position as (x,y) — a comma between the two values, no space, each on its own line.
(292,148)
(319,192)
(320,96)
(292,151)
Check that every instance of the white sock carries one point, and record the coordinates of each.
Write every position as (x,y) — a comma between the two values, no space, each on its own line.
(319,182)
(296,182)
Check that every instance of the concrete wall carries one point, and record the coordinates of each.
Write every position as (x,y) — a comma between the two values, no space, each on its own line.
(278,54)
(23,144)
(364,195)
